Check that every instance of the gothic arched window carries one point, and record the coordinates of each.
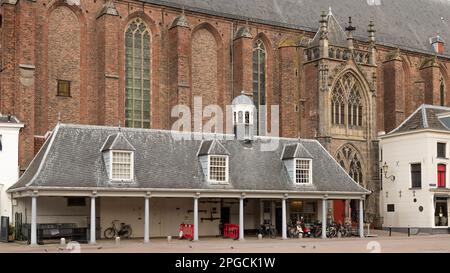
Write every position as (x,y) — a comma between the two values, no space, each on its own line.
(138,74)
(346,101)
(349,158)
(337,106)
(442,91)
(259,84)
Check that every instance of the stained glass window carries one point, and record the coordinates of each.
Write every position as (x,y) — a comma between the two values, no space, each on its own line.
(138,75)
(259,84)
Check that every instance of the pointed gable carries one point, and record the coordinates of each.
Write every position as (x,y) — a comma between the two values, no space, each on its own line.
(296,151)
(336,34)
(212,147)
(117,142)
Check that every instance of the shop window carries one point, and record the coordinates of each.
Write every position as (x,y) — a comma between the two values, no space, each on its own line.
(441,212)
(416,176)
(305,209)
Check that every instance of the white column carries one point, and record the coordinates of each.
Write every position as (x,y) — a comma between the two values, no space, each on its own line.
(241,219)
(324,218)
(93,226)
(361,218)
(284,220)
(147,220)
(33,239)
(196,219)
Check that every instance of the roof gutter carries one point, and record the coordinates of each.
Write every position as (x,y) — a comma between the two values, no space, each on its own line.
(185,190)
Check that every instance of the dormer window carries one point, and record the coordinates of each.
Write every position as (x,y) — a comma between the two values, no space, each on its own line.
(214,160)
(303,171)
(122,166)
(218,169)
(298,163)
(118,155)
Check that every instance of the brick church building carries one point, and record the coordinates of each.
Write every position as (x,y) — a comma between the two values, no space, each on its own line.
(337,80)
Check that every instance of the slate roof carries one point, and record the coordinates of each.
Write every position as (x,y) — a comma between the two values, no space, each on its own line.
(426,117)
(71,157)
(117,142)
(296,151)
(212,147)
(336,34)
(404,23)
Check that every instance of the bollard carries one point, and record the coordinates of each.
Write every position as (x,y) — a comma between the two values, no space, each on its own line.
(63,242)
(390,232)
(169,239)
(117,240)
(260,237)
(409,232)
(339,234)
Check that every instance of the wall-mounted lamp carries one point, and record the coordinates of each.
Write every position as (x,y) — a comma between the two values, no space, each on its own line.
(385,171)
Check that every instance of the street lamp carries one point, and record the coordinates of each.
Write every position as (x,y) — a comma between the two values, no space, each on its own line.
(385,171)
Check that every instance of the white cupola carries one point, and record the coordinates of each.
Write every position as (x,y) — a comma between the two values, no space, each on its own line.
(244,117)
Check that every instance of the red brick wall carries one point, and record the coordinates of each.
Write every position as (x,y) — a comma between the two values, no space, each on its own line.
(71,42)
(205,67)
(64,63)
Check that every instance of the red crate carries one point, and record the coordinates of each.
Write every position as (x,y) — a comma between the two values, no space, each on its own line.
(231,231)
(186,231)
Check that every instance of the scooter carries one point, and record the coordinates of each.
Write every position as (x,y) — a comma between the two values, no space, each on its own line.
(306,231)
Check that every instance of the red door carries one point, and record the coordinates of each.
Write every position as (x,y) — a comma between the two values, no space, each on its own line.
(339,211)
(442,176)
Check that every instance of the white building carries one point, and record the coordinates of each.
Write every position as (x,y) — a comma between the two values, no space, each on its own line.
(9,160)
(416,182)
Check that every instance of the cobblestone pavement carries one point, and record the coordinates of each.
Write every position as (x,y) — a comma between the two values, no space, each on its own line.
(398,243)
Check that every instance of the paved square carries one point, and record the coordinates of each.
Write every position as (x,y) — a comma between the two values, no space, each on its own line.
(398,243)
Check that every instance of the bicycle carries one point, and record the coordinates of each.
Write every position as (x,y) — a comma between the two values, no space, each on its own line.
(125,231)
(267,230)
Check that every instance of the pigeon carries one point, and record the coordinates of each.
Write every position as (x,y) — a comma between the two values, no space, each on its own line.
(100,247)
(190,246)
(46,250)
(232,247)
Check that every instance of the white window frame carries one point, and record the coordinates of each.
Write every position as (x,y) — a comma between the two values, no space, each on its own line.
(295,171)
(131,179)
(227,167)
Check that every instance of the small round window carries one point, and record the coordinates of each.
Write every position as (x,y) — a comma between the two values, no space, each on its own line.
(421,209)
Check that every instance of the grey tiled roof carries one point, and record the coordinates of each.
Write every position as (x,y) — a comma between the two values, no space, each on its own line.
(71,157)
(336,34)
(403,23)
(426,117)
(212,147)
(117,142)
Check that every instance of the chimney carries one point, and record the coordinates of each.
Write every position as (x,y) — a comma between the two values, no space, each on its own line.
(438,44)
